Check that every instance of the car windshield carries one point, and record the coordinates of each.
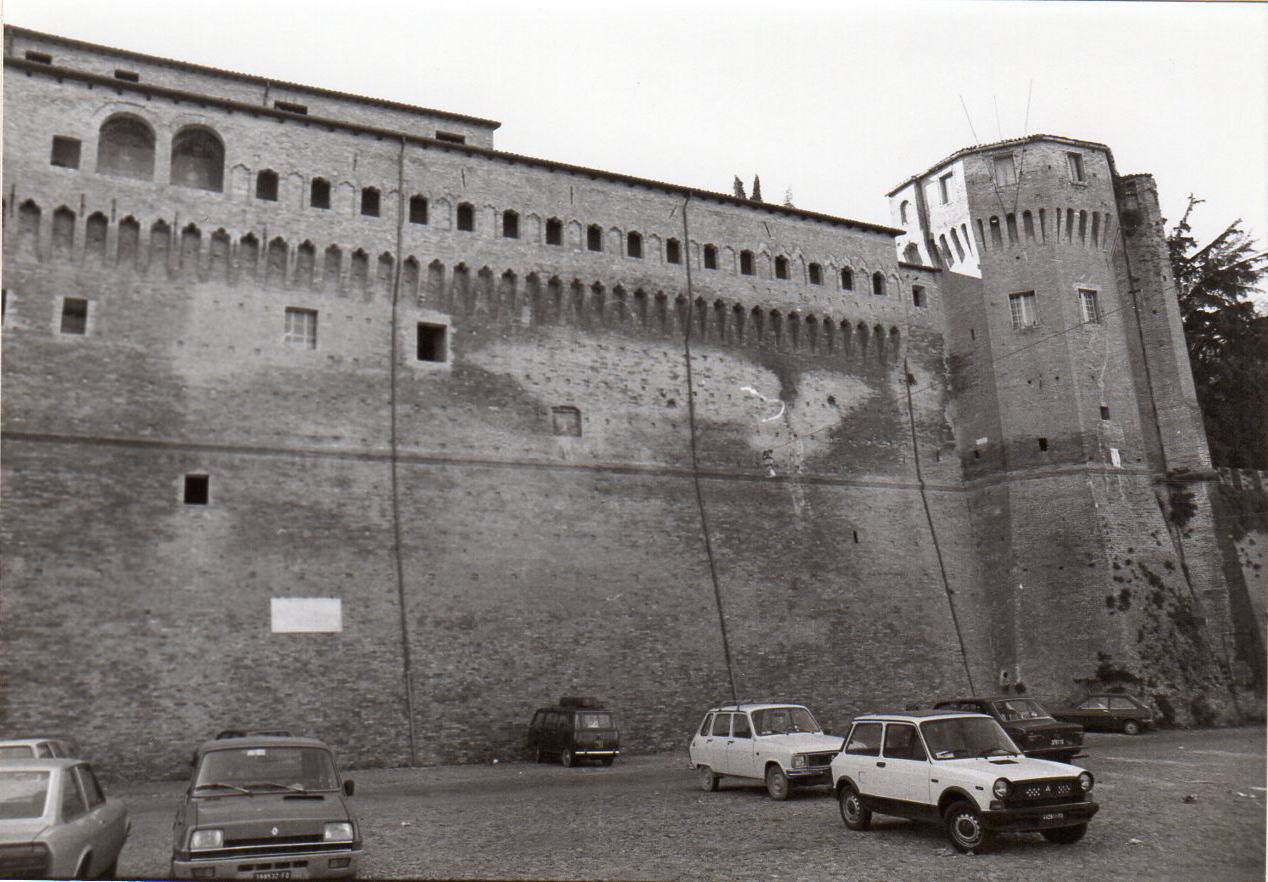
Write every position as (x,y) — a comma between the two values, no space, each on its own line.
(961,737)
(594,721)
(1014,709)
(23,794)
(249,769)
(783,720)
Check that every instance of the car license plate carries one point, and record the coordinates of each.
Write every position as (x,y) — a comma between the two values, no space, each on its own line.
(1057,742)
(1053,816)
(274,874)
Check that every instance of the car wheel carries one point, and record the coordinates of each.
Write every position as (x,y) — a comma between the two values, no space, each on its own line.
(855,815)
(1131,727)
(84,865)
(965,829)
(708,780)
(567,757)
(777,783)
(607,760)
(112,871)
(1065,835)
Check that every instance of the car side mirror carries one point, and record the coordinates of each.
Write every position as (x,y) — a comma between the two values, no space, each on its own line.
(349,787)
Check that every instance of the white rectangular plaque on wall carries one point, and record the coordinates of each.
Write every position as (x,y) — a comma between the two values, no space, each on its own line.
(307,615)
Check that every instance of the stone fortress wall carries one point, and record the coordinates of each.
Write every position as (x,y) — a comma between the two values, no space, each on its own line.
(483,400)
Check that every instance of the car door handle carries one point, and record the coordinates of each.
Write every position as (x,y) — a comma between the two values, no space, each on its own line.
(730,741)
(879,764)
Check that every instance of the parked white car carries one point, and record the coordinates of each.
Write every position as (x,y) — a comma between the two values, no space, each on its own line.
(960,770)
(780,744)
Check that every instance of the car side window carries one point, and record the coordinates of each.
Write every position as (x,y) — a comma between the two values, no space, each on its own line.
(1093,704)
(865,740)
(722,725)
(43,750)
(706,724)
(740,727)
(72,800)
(92,789)
(537,720)
(902,742)
(1122,704)
(565,722)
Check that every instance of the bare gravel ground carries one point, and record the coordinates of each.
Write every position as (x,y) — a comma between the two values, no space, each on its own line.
(645,818)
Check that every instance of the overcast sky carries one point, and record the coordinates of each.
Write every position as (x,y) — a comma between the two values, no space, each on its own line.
(838,102)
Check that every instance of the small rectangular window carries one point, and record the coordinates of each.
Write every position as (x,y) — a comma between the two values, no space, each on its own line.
(1043,443)
(672,252)
(710,257)
(594,238)
(301,327)
(1022,308)
(1075,161)
(65,152)
(451,137)
(128,76)
(74,315)
(1105,414)
(431,342)
(4,304)
(417,210)
(466,217)
(566,421)
(320,194)
(1005,170)
(554,232)
(944,187)
(287,106)
(917,295)
(816,274)
(196,487)
(1089,306)
(38,57)
(370,202)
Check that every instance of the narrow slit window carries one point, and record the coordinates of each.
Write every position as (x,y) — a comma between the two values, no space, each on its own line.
(319,193)
(594,238)
(466,217)
(944,188)
(878,284)
(1089,306)
(451,137)
(65,152)
(1075,162)
(74,315)
(673,254)
(301,327)
(432,342)
(554,231)
(128,76)
(918,295)
(289,107)
(266,186)
(417,210)
(197,487)
(38,57)
(370,202)
(510,225)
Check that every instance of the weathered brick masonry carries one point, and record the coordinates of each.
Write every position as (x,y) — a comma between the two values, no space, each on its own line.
(538,465)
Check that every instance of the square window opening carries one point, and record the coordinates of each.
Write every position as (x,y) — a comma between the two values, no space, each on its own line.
(370,202)
(594,238)
(196,489)
(1043,443)
(319,196)
(566,420)
(432,342)
(1022,309)
(1105,413)
(65,152)
(417,210)
(554,232)
(74,315)
(466,217)
(301,327)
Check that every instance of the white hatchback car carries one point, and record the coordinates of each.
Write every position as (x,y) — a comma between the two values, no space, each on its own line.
(960,770)
(780,744)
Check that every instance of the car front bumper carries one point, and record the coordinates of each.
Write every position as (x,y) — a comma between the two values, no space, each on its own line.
(314,865)
(585,752)
(1044,817)
(809,776)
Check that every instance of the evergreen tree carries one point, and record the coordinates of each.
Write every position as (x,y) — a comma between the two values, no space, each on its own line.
(1226,338)
(738,188)
(788,198)
(757,189)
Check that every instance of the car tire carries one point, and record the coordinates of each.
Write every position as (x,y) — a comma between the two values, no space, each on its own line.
(1131,727)
(567,757)
(855,815)
(1065,835)
(112,871)
(708,780)
(85,864)
(777,783)
(965,829)
(608,760)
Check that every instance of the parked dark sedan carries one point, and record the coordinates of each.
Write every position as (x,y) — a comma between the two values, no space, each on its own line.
(1027,723)
(1113,713)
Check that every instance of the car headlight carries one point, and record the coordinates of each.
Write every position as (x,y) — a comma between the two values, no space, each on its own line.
(338,831)
(1085,781)
(799,761)
(206,839)
(1002,788)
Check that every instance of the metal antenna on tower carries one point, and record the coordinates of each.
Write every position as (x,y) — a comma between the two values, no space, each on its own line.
(998,129)
(1025,129)
(976,139)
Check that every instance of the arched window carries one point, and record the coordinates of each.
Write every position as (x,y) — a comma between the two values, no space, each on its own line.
(198,159)
(710,257)
(418,209)
(634,245)
(319,195)
(594,237)
(902,211)
(125,147)
(266,186)
(510,225)
(370,201)
(672,252)
(746,263)
(554,231)
(781,267)
(878,284)
(466,217)
(816,274)
(911,253)
(847,279)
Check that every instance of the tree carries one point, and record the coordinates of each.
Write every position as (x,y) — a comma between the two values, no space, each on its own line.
(757,189)
(1227,339)
(738,188)
(788,198)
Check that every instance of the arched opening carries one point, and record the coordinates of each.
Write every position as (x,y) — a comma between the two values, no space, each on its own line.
(878,284)
(198,159)
(510,225)
(125,147)
(746,263)
(634,245)
(911,254)
(266,185)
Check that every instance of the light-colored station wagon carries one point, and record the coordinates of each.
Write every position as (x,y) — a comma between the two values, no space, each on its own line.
(780,744)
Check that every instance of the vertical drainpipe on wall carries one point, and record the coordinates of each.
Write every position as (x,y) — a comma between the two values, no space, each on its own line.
(695,462)
(922,219)
(407,668)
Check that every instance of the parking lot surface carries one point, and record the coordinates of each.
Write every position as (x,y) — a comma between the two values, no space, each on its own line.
(645,818)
